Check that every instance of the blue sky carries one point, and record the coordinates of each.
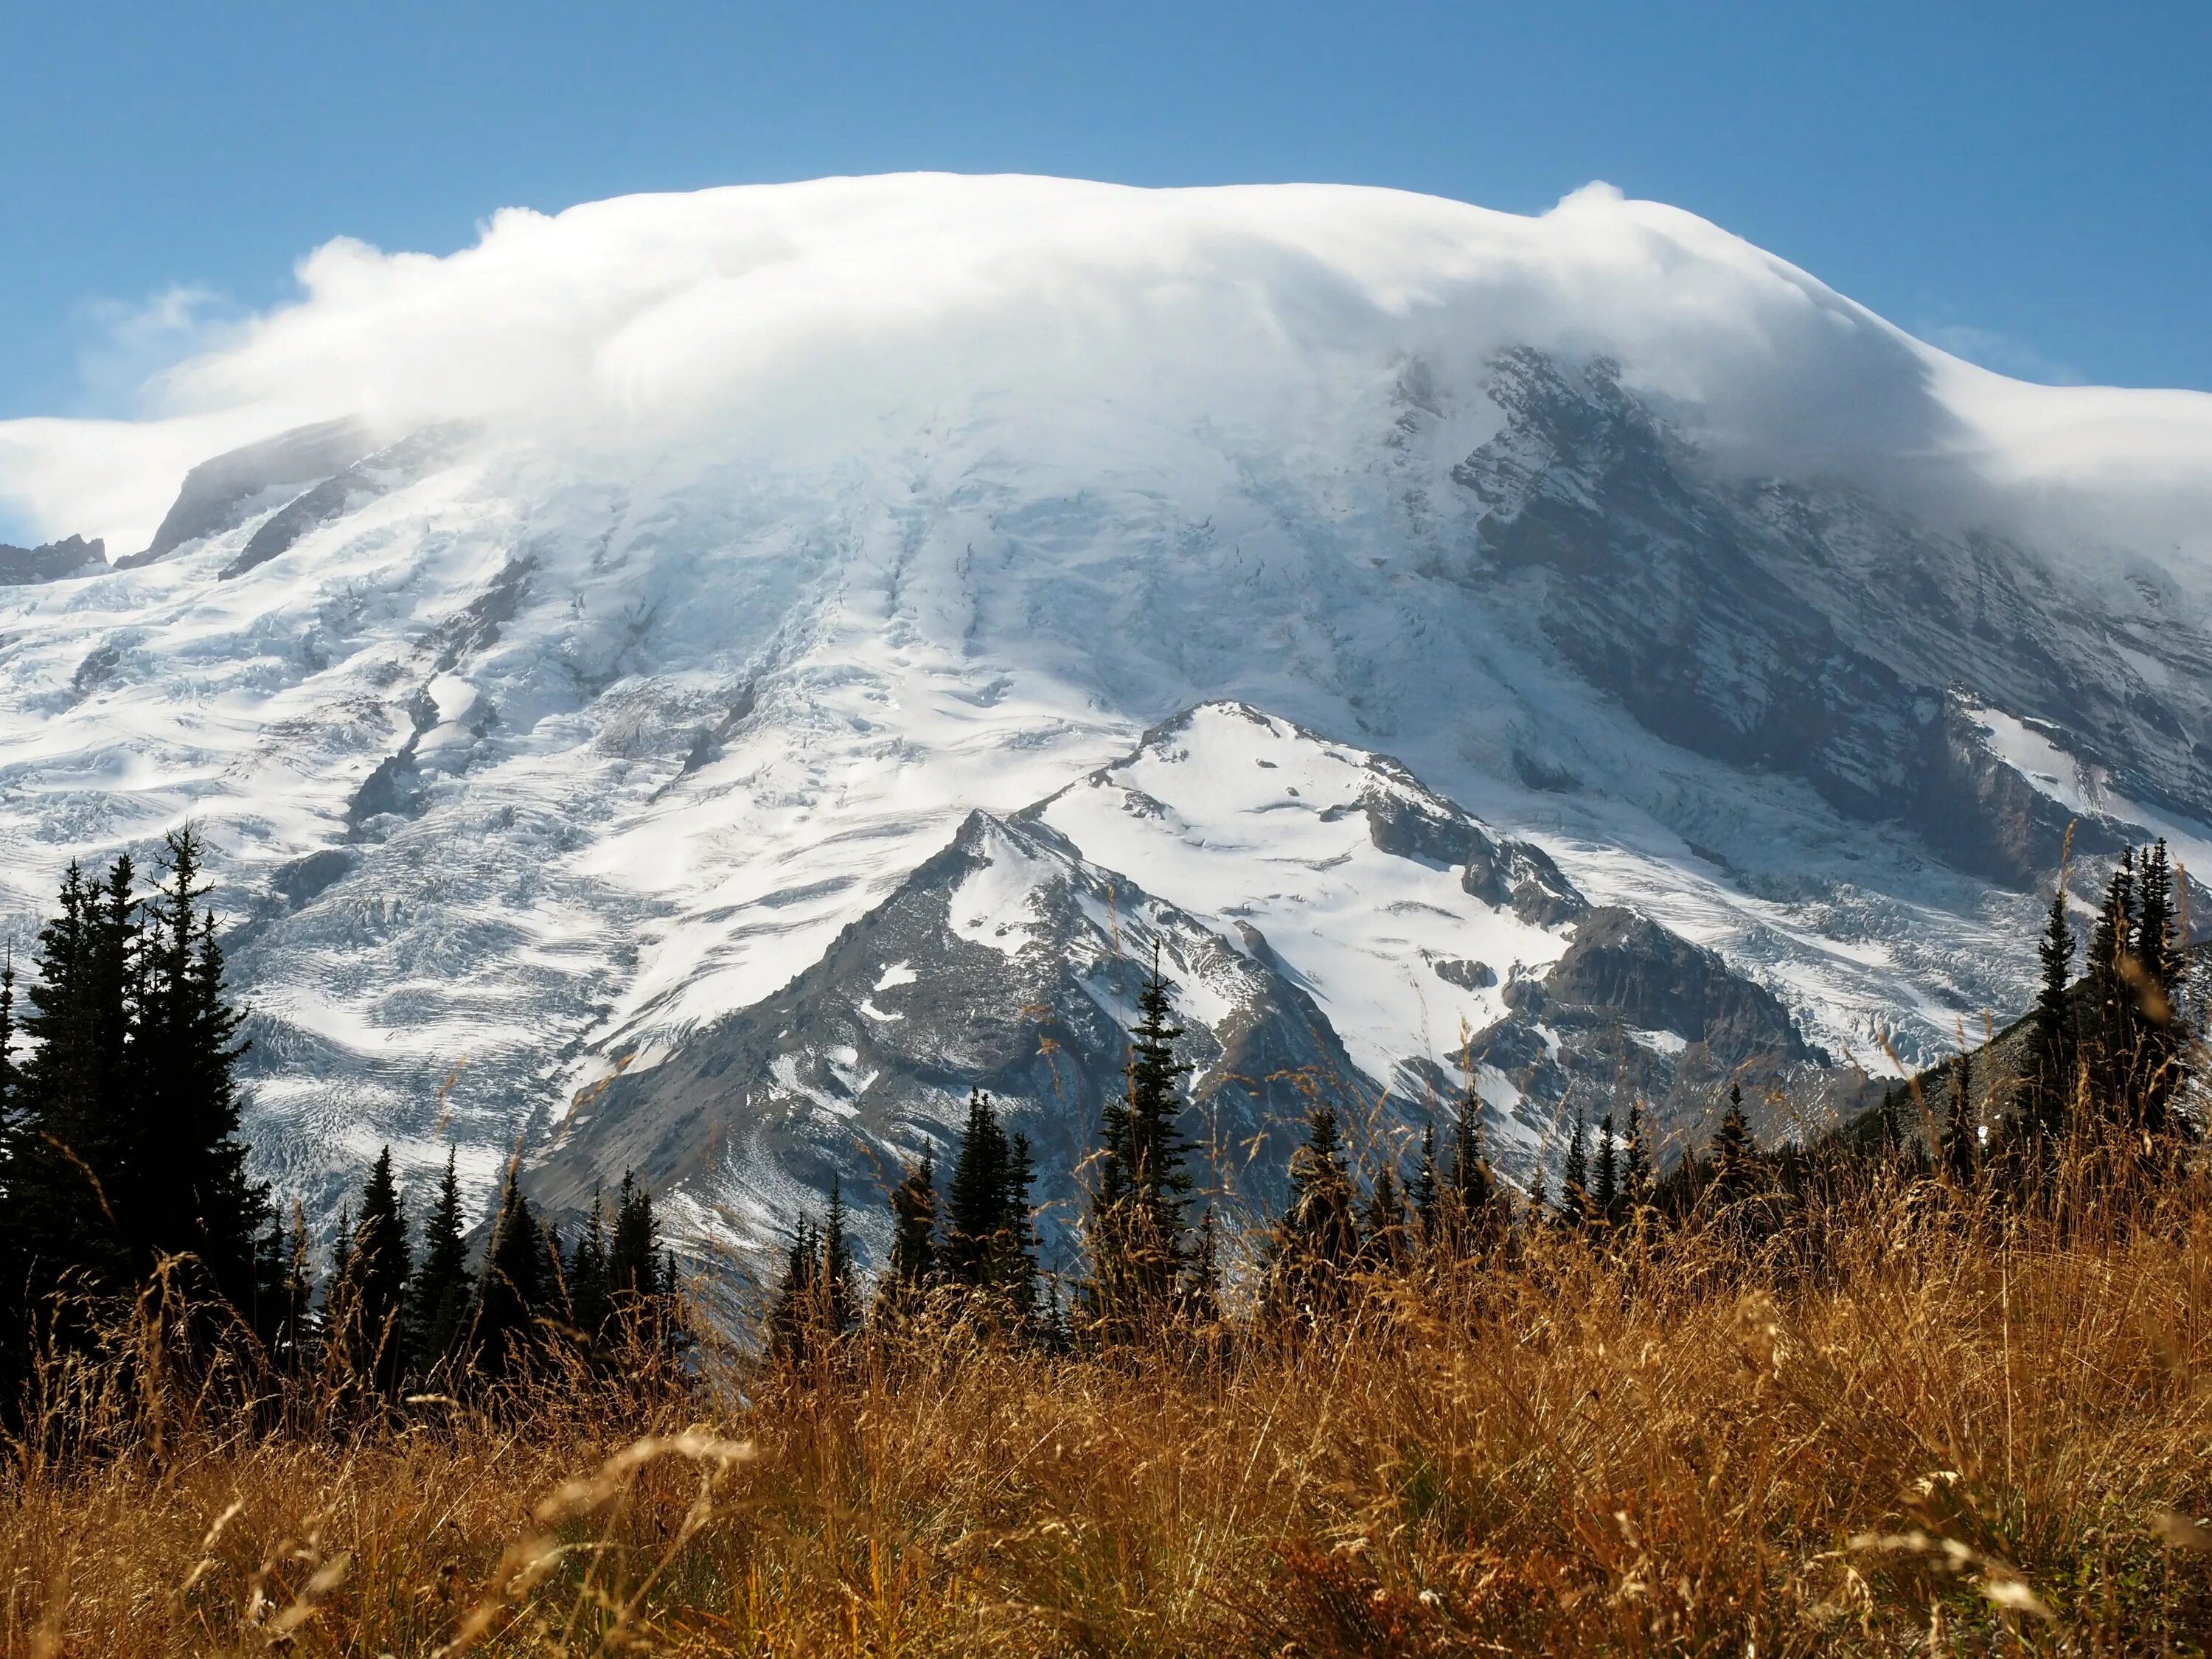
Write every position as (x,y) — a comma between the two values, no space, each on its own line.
(2030,183)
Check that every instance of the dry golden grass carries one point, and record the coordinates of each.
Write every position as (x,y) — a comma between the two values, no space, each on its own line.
(1960,1434)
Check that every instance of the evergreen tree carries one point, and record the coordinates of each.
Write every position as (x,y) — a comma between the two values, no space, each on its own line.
(1734,1154)
(975,1204)
(1635,1175)
(1574,1182)
(2111,1041)
(186,1188)
(1383,1241)
(2158,991)
(513,1293)
(1471,1190)
(365,1307)
(795,1318)
(591,1302)
(1136,1235)
(438,1302)
(841,1273)
(2052,1055)
(912,1268)
(1606,1194)
(1961,1148)
(1425,1191)
(1316,1244)
(284,1316)
(1201,1295)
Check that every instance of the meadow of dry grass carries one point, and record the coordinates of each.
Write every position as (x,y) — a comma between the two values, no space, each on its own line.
(1958,1434)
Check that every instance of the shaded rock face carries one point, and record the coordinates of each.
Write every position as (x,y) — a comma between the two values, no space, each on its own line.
(1775,628)
(73,555)
(364,481)
(1007,962)
(224,493)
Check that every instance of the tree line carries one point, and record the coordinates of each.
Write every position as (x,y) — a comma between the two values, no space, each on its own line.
(122,1160)
(2103,1063)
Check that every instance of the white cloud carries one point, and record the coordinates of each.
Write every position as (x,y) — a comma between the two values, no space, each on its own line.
(847,315)
(2004,353)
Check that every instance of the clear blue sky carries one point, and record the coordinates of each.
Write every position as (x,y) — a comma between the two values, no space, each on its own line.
(2030,183)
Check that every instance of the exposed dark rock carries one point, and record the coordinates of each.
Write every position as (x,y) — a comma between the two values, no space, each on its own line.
(73,555)
(1467,976)
(222,494)
(365,480)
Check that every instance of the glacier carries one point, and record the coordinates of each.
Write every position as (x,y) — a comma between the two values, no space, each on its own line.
(579,648)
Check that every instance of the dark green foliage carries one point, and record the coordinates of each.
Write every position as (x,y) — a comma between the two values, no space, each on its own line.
(1605,1189)
(912,1268)
(1137,1233)
(1315,1245)
(1736,1171)
(1961,1148)
(591,1300)
(1385,1241)
(1425,1190)
(1636,1173)
(515,1290)
(365,1308)
(1575,1204)
(2053,1049)
(440,1302)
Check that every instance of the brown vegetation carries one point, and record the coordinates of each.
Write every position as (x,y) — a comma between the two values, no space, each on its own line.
(1906,1424)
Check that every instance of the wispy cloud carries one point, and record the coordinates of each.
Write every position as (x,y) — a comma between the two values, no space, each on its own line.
(129,345)
(2005,354)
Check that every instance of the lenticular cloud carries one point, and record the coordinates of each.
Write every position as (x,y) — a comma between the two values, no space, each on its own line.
(837,315)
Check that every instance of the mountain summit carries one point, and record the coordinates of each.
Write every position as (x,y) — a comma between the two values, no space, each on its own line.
(700,681)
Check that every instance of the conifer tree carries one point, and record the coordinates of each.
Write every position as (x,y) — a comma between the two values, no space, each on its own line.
(438,1302)
(1734,1154)
(284,1318)
(590,1300)
(1961,1148)
(795,1318)
(366,1306)
(911,1267)
(1383,1241)
(1137,1231)
(189,1190)
(1471,1189)
(1316,1244)
(841,1273)
(1425,1191)
(2111,1041)
(1605,1193)
(1635,1176)
(1574,1182)
(2158,989)
(2050,1058)
(513,1292)
(1202,1293)
(974,1205)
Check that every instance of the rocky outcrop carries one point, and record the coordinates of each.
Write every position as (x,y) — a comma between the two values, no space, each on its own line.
(73,555)
(224,493)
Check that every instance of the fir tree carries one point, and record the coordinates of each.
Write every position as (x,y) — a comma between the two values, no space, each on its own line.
(1734,1154)
(795,1317)
(1425,1190)
(1604,1194)
(1202,1293)
(975,1203)
(591,1302)
(438,1302)
(2052,1050)
(1471,1189)
(189,1190)
(1316,1244)
(365,1307)
(2157,985)
(1136,1235)
(513,1293)
(1574,1181)
(841,1273)
(912,1268)
(2111,1041)
(1635,1176)
(1383,1241)
(1961,1148)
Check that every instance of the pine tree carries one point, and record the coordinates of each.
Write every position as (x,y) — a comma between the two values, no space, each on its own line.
(640,1280)
(912,1268)
(585,1273)
(1962,1149)
(1316,1244)
(189,1190)
(366,1306)
(1606,1194)
(1425,1191)
(2158,991)
(1636,1177)
(1470,1187)
(2050,1058)
(1384,1244)
(2111,1042)
(975,1203)
(1574,1182)
(1136,1235)
(841,1273)
(439,1301)
(795,1317)
(1202,1293)
(1734,1154)
(513,1293)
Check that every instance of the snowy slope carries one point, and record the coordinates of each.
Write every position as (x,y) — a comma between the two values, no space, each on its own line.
(646,594)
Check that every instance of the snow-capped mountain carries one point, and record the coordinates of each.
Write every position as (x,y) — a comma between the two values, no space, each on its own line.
(698,682)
